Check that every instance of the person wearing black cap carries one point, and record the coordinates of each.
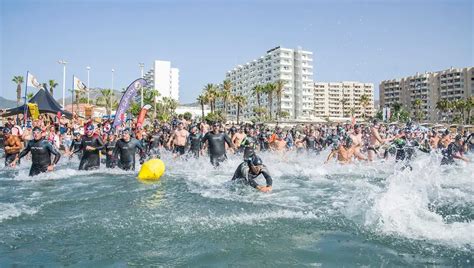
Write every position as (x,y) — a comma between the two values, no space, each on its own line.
(110,161)
(91,145)
(41,151)
(76,144)
(216,141)
(125,150)
(249,170)
(12,145)
(454,150)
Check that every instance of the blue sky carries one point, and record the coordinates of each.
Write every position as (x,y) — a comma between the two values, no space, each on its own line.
(365,41)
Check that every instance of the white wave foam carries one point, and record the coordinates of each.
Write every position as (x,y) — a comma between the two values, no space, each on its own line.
(9,210)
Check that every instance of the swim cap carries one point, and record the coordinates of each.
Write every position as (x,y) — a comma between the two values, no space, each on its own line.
(458,137)
(37,129)
(256,161)
(90,127)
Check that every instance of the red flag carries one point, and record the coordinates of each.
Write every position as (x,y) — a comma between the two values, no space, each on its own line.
(142,114)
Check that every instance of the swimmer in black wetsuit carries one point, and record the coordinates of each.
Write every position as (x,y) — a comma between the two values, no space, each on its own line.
(154,145)
(216,143)
(76,144)
(194,142)
(41,151)
(110,160)
(91,145)
(249,144)
(125,150)
(249,170)
(454,151)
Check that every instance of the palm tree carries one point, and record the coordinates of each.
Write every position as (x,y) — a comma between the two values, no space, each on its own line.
(202,101)
(469,106)
(417,107)
(344,101)
(279,86)
(18,80)
(106,99)
(364,102)
(211,95)
(29,96)
(52,85)
(240,101)
(442,105)
(460,106)
(269,90)
(226,94)
(257,91)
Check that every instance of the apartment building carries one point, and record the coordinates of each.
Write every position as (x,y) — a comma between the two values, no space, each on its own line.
(343,99)
(294,66)
(430,87)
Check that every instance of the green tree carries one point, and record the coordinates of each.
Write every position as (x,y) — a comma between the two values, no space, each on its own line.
(240,101)
(460,106)
(417,107)
(443,106)
(18,80)
(106,99)
(343,102)
(257,91)
(364,102)
(29,96)
(279,87)
(211,95)
(202,99)
(469,106)
(52,86)
(270,90)
(226,93)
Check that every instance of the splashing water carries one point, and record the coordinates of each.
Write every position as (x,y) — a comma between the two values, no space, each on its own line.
(358,214)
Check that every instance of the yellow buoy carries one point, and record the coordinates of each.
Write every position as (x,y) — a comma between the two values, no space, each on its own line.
(152,170)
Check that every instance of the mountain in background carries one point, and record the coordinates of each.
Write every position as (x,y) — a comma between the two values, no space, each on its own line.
(6,104)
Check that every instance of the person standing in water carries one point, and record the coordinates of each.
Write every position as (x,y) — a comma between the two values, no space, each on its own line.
(194,142)
(454,150)
(91,145)
(216,141)
(41,151)
(249,170)
(12,144)
(110,161)
(125,150)
(179,139)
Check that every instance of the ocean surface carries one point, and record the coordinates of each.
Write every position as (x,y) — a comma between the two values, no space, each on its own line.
(317,215)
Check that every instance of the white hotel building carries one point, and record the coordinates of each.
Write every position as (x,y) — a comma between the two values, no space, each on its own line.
(164,79)
(295,66)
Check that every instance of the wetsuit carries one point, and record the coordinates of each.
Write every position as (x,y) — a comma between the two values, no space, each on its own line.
(216,144)
(90,159)
(449,152)
(195,144)
(243,174)
(110,160)
(249,144)
(125,153)
(41,151)
(310,143)
(75,146)
(263,140)
(154,146)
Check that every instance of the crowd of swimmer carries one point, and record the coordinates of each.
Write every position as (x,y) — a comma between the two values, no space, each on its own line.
(190,139)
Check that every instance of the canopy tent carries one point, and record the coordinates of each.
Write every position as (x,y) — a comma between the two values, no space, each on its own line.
(46,104)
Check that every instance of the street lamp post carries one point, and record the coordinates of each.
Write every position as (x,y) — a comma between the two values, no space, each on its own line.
(63,62)
(113,70)
(141,90)
(88,68)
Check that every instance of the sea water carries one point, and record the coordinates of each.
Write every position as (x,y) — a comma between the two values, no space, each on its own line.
(362,214)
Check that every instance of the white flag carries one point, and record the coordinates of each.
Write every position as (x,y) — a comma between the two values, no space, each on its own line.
(32,82)
(78,85)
